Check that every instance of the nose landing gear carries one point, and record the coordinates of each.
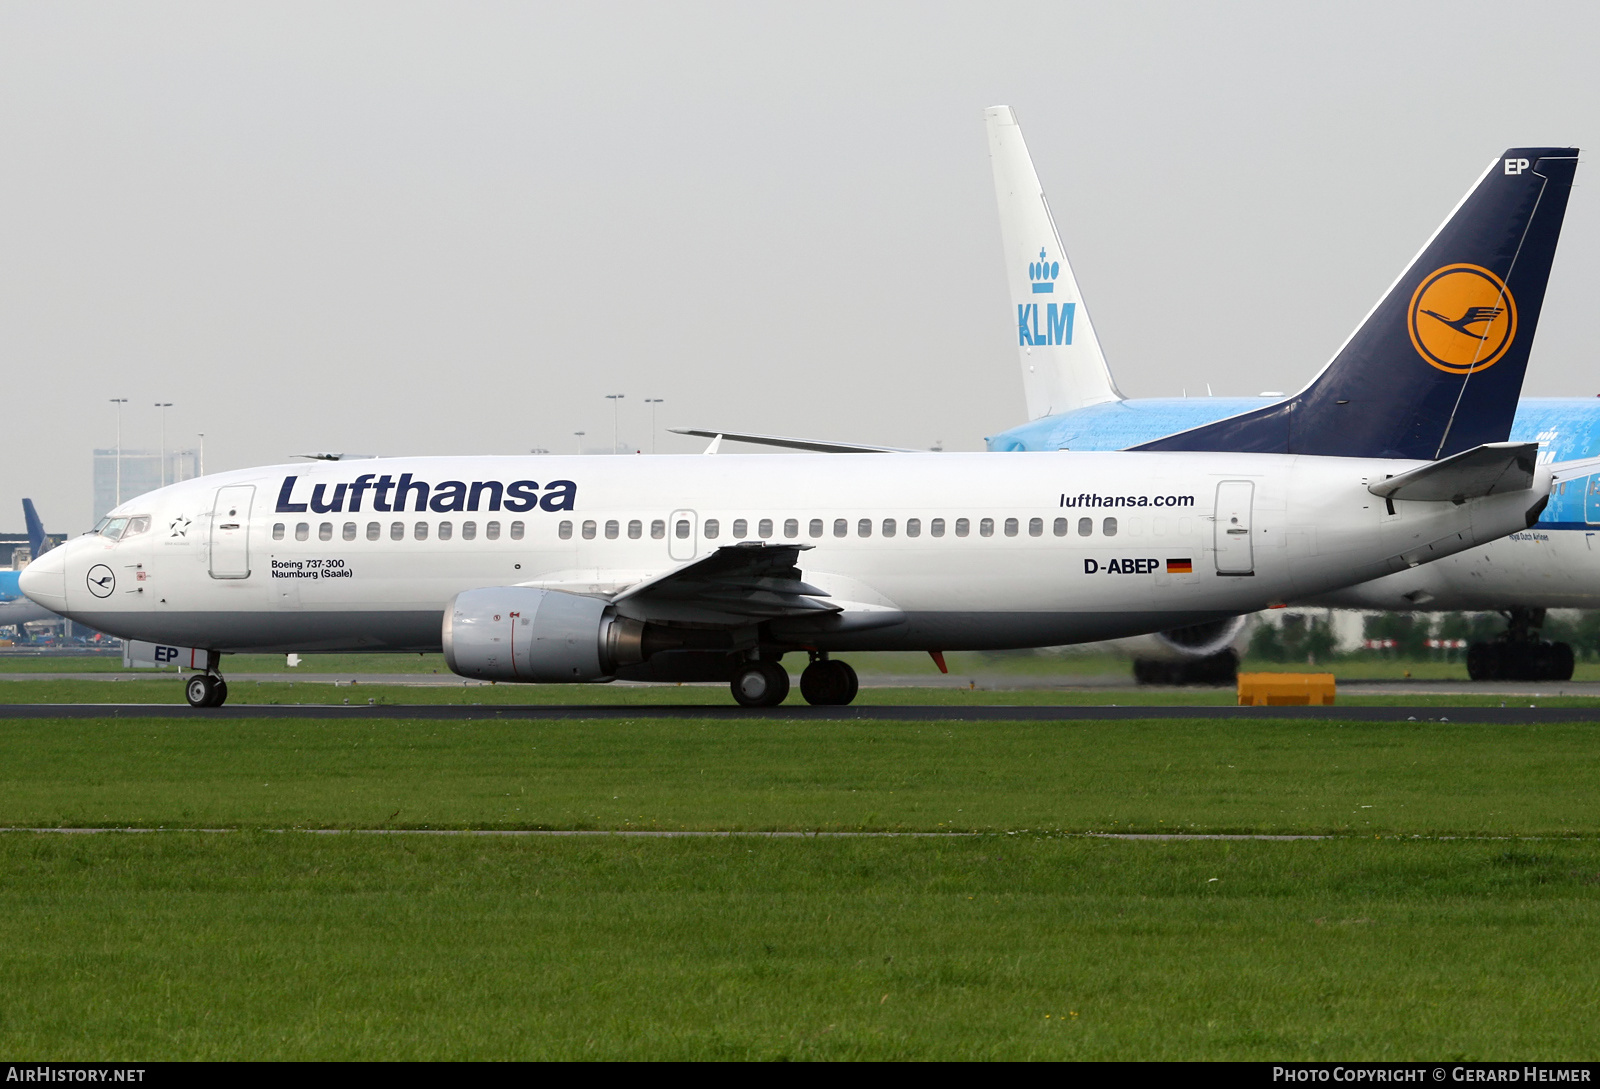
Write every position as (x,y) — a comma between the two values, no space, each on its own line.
(207,689)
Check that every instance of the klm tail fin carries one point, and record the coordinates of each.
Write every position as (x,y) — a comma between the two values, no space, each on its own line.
(1062,366)
(38,543)
(1437,366)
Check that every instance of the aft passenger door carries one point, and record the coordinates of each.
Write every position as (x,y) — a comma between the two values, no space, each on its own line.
(1235,554)
(230,532)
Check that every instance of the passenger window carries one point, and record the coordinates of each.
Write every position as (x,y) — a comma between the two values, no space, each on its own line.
(681,530)
(325,531)
(469,530)
(397,531)
(1109,527)
(1011,527)
(635,530)
(913,527)
(888,527)
(277,532)
(841,528)
(936,527)
(588,529)
(1060,527)
(1036,527)
(712,528)
(349,531)
(420,532)
(1085,526)
(1158,526)
(815,527)
(764,528)
(740,528)
(302,531)
(986,528)
(446,530)
(564,531)
(791,527)
(491,530)
(963,527)
(374,530)
(658,529)
(612,529)
(864,527)
(516,531)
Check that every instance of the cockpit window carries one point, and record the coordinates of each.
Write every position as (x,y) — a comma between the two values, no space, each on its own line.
(111,529)
(137,524)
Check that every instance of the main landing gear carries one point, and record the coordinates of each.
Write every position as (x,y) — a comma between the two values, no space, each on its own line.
(1519,654)
(207,689)
(825,683)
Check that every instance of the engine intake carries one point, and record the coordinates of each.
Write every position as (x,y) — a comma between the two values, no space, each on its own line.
(518,633)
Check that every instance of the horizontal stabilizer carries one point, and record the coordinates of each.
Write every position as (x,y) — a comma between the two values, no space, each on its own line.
(1492,469)
(816,446)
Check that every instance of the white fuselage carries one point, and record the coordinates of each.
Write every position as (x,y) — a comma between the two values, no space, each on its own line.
(976,551)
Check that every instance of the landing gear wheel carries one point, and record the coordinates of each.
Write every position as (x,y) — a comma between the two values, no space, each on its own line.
(204,690)
(761,684)
(829,683)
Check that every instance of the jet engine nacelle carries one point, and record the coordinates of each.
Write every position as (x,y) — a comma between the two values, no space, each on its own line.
(518,633)
(1185,644)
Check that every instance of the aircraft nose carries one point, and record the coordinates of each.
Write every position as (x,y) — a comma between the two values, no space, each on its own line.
(44,580)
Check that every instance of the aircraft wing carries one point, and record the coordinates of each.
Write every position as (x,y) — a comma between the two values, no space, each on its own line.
(737,584)
(816,446)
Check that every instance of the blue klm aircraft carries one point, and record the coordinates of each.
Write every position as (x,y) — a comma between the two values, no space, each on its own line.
(1461,320)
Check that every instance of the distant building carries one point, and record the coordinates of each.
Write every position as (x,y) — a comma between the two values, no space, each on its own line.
(142,471)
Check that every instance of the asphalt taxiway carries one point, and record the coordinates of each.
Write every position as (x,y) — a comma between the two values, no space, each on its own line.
(1525,714)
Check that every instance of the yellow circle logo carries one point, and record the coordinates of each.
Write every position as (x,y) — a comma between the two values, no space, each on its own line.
(1462,319)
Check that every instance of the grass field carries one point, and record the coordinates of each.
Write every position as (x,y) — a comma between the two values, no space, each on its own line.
(1430,926)
(1271,776)
(262,946)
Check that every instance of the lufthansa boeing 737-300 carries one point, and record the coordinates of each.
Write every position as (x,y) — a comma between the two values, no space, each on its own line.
(553,569)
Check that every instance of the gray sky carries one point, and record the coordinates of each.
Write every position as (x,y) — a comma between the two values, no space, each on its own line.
(452,228)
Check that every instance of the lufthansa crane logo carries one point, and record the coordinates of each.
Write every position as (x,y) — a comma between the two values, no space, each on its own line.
(1462,319)
(101,580)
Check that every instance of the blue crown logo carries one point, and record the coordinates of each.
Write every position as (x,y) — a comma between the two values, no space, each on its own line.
(1043,274)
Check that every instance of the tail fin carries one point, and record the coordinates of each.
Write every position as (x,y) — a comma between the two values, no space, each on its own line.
(38,543)
(1062,366)
(1437,366)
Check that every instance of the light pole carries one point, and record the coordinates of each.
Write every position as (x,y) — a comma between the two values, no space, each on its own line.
(580,435)
(653,402)
(616,420)
(119,402)
(163,406)
(202,453)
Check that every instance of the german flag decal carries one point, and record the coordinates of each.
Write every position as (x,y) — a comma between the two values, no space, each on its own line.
(1180,567)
